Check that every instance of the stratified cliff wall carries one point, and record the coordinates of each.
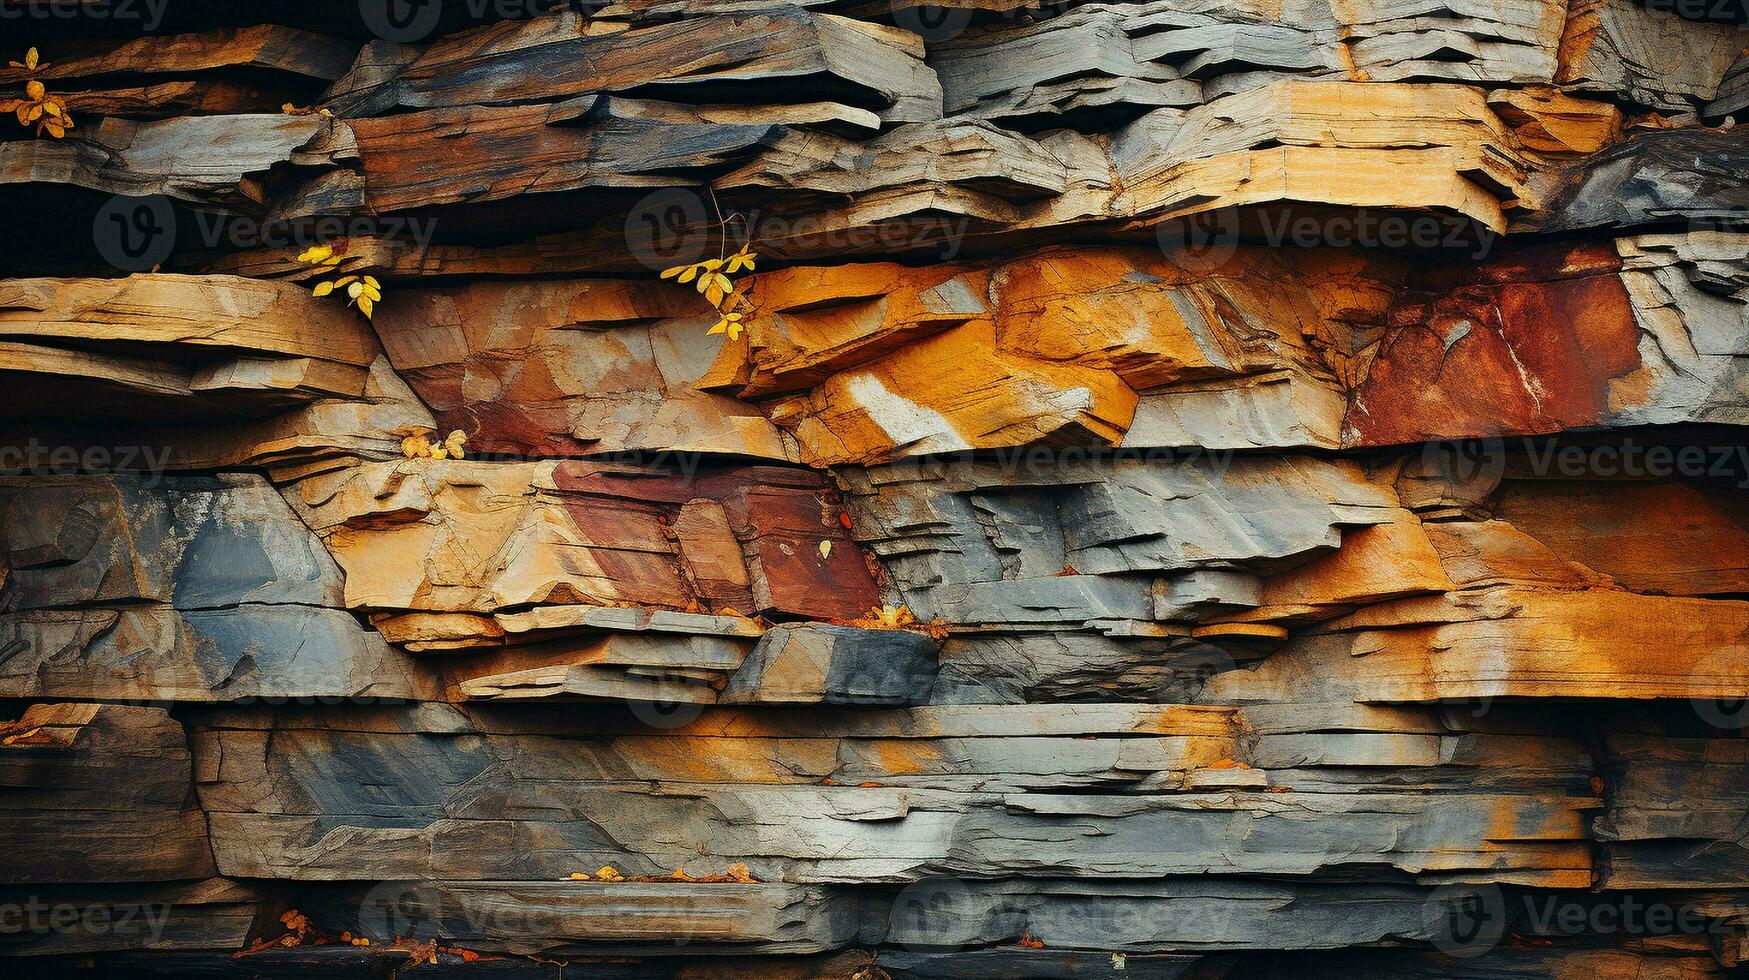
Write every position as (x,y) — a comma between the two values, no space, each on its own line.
(842,490)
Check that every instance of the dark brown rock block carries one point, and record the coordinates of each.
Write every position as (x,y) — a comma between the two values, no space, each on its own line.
(98,793)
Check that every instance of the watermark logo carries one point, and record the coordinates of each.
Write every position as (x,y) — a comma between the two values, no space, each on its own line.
(401,21)
(667,228)
(35,458)
(935,913)
(1204,242)
(666,714)
(135,234)
(1730,11)
(1465,920)
(1201,243)
(411,21)
(931,23)
(935,23)
(402,910)
(1726,712)
(1365,228)
(138,234)
(1478,462)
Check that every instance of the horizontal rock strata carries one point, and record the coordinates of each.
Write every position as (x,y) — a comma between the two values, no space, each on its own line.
(847,490)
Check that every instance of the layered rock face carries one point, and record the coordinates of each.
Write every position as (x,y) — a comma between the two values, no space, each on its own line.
(875,491)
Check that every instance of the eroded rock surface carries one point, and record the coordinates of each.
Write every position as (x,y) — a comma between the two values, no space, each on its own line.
(1189,490)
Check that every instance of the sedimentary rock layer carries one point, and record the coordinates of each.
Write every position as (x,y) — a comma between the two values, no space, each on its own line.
(850,490)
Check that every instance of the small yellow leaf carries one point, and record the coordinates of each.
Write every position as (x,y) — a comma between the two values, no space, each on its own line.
(674,271)
(371,281)
(355,290)
(439,452)
(54,128)
(740,260)
(365,305)
(322,289)
(730,324)
(455,438)
(345,280)
(316,253)
(35,113)
(456,451)
(825,549)
(35,90)
(30,60)
(52,108)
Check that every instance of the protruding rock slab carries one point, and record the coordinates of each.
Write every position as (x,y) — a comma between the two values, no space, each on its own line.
(774,53)
(1648,330)
(194,372)
(1069,345)
(466,536)
(285,800)
(564,368)
(816,664)
(98,793)
(177,588)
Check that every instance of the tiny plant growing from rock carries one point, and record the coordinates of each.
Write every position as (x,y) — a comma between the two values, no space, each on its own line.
(426,445)
(365,291)
(711,277)
(38,107)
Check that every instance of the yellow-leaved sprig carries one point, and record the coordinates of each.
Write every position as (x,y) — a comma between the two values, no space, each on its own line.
(425,445)
(711,278)
(363,291)
(47,112)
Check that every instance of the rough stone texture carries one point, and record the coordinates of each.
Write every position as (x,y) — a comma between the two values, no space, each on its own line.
(540,368)
(835,665)
(844,810)
(193,372)
(190,589)
(1198,489)
(745,539)
(99,793)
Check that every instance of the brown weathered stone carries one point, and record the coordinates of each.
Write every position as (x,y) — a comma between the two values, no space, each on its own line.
(575,532)
(99,793)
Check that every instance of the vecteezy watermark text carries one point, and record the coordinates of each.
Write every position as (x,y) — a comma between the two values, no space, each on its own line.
(1483,460)
(675,226)
(147,13)
(1470,920)
(135,234)
(37,459)
(84,920)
